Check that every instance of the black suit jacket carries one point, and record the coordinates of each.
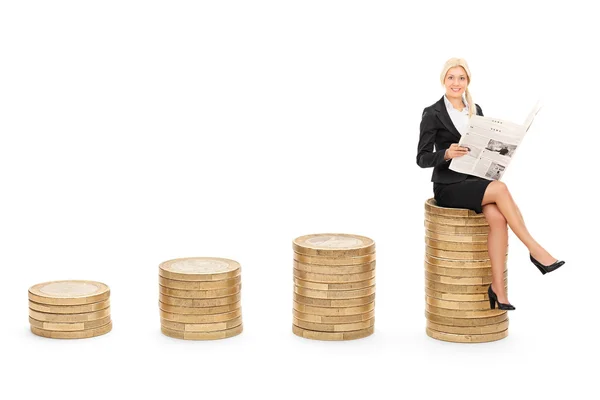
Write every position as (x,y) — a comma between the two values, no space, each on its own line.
(437,129)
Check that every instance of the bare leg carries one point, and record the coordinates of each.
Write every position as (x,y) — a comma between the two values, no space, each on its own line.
(498,193)
(497,244)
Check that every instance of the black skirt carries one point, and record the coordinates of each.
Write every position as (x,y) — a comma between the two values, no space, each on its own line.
(466,194)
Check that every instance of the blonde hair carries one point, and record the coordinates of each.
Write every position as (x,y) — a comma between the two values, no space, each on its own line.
(460,62)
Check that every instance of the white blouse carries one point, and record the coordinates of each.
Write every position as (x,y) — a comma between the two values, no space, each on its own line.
(460,119)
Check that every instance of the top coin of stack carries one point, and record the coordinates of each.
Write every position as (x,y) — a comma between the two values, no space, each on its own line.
(334,286)
(69,309)
(200,298)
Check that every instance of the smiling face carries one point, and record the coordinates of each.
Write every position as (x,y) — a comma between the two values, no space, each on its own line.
(456,82)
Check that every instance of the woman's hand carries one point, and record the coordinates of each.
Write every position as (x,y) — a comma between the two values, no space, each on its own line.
(455,151)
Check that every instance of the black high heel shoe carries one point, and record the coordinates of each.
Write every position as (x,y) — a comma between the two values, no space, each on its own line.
(494,300)
(544,269)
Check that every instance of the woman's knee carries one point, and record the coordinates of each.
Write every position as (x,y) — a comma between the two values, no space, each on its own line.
(499,187)
(494,191)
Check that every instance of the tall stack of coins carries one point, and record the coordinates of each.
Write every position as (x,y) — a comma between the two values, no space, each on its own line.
(457,276)
(334,287)
(200,298)
(69,309)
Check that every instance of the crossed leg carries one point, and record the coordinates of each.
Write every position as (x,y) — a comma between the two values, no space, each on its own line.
(498,195)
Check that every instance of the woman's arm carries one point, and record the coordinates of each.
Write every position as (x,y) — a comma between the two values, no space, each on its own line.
(426,157)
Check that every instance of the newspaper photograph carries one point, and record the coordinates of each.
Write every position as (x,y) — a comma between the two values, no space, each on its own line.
(492,144)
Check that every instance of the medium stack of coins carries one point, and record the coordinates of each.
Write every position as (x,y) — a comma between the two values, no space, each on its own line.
(457,276)
(334,287)
(200,298)
(69,309)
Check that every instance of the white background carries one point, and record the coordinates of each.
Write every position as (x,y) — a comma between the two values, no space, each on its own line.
(137,132)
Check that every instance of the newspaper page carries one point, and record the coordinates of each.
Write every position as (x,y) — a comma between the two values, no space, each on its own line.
(492,144)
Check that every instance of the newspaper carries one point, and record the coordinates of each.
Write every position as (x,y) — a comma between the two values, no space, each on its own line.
(492,144)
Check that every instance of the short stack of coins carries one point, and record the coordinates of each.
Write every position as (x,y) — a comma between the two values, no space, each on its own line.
(69,309)
(334,287)
(200,298)
(457,276)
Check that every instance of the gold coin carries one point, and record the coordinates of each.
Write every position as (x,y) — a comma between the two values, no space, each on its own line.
(450,337)
(469,330)
(333,311)
(70,318)
(459,272)
(199,310)
(455,246)
(88,333)
(308,334)
(455,221)
(361,301)
(202,335)
(334,286)
(200,318)
(333,245)
(333,261)
(199,269)
(432,207)
(334,294)
(342,319)
(482,238)
(69,327)
(333,328)
(334,278)
(80,309)
(438,319)
(199,285)
(456,230)
(457,289)
(200,294)
(458,305)
(334,270)
(180,302)
(452,280)
(458,255)
(457,296)
(463,313)
(69,292)
(441,262)
(210,327)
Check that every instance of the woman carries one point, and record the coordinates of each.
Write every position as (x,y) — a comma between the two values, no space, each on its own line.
(442,125)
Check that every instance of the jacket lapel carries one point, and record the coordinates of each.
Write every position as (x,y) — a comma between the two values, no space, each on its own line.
(444,118)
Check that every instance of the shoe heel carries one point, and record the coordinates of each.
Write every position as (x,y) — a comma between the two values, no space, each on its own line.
(541,269)
(492,304)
